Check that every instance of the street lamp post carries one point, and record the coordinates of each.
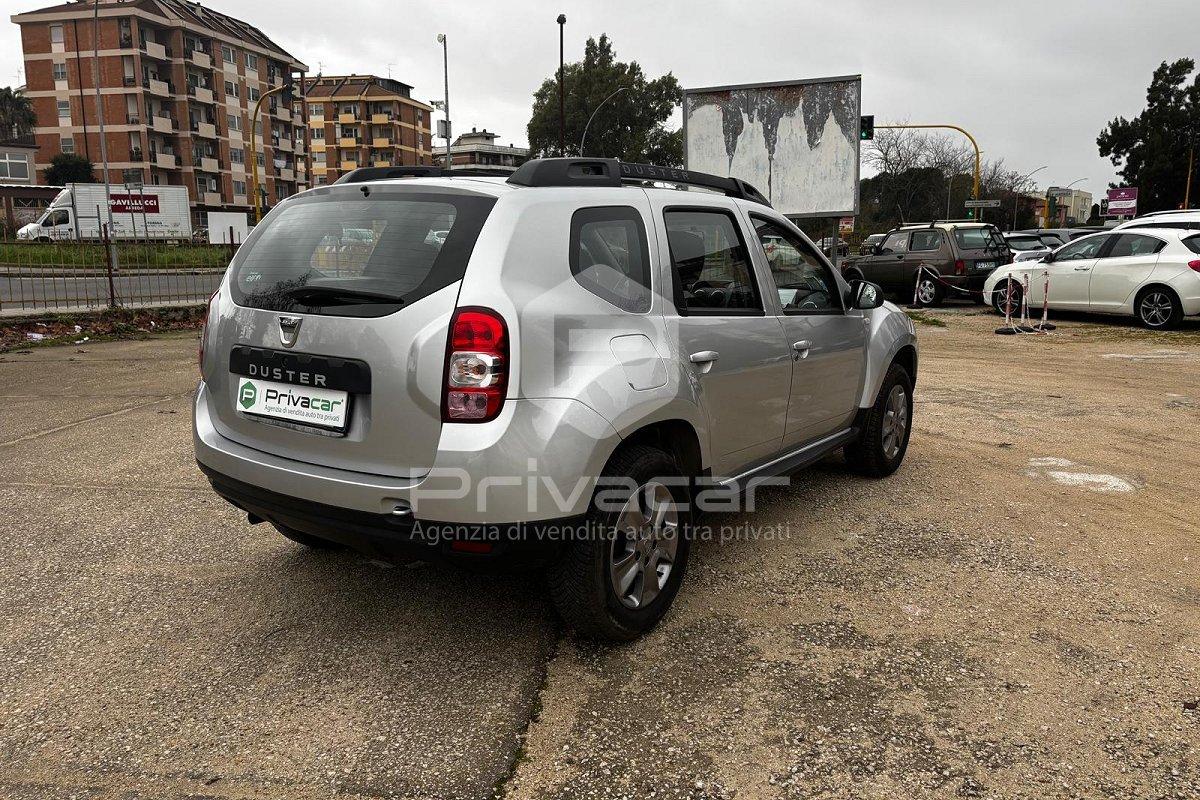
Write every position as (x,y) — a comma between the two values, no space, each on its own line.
(1016,187)
(562,125)
(583,139)
(441,37)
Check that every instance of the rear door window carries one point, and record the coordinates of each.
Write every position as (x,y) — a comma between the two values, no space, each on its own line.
(924,241)
(711,265)
(357,254)
(609,255)
(1133,244)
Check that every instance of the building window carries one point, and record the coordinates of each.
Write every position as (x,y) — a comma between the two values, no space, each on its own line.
(232,89)
(56,34)
(237,155)
(239,187)
(251,61)
(316,109)
(64,109)
(235,122)
(319,158)
(14,166)
(259,158)
(253,94)
(318,133)
(66,144)
(227,54)
(322,180)
(60,71)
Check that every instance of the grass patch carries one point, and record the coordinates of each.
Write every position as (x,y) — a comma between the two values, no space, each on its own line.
(129,255)
(921,318)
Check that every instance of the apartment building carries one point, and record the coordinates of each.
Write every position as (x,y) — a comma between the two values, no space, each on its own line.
(363,121)
(479,149)
(179,83)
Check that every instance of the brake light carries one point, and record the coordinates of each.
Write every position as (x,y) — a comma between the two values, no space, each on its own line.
(1195,265)
(203,328)
(960,267)
(476,366)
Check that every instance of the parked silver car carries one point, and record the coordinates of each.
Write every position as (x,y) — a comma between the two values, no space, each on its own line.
(581,362)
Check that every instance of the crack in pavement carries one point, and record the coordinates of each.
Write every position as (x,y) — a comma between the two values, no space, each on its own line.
(77,423)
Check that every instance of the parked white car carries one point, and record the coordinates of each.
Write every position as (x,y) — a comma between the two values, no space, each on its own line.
(1188,219)
(1026,246)
(1152,274)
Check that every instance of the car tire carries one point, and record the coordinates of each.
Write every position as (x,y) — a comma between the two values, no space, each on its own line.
(928,290)
(1158,308)
(886,427)
(600,585)
(306,539)
(999,294)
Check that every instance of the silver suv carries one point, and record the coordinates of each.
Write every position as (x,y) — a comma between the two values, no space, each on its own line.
(560,368)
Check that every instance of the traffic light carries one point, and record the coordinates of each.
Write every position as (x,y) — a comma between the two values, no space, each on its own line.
(970,213)
(866,127)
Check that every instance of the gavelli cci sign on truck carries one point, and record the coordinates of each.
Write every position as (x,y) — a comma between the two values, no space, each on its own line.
(78,212)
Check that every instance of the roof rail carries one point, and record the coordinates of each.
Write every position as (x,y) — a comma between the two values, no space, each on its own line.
(416,171)
(613,172)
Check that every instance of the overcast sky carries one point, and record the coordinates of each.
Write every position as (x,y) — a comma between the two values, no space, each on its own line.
(1035,82)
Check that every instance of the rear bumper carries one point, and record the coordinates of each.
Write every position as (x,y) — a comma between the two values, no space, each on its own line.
(391,536)
(536,462)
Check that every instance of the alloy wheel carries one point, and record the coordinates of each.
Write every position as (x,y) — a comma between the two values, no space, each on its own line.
(895,421)
(644,546)
(926,291)
(1156,309)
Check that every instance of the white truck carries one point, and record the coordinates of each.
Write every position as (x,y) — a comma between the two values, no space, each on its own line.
(149,212)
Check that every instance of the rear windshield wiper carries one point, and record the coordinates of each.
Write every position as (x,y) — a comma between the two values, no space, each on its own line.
(339,295)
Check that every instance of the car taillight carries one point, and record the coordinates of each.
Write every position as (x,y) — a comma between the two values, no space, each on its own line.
(203,329)
(1195,265)
(476,366)
(960,267)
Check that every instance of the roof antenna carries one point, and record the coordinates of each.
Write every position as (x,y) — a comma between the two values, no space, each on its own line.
(389,68)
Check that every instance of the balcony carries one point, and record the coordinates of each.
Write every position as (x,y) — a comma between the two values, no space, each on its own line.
(162,124)
(347,119)
(381,119)
(160,88)
(287,174)
(382,162)
(283,144)
(200,59)
(200,93)
(383,141)
(133,119)
(205,129)
(212,198)
(240,200)
(155,50)
(209,164)
(284,113)
(347,165)
(166,160)
(351,142)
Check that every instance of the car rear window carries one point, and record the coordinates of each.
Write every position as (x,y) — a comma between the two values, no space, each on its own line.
(1025,243)
(1192,243)
(978,238)
(358,253)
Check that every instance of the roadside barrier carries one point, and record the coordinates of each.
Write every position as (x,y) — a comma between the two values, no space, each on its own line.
(1023,325)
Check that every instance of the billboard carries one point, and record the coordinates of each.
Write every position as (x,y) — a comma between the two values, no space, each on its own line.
(1122,202)
(795,141)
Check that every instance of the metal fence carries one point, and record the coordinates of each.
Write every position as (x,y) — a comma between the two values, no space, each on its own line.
(81,275)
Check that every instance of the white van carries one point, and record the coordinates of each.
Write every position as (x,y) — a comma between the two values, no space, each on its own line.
(155,212)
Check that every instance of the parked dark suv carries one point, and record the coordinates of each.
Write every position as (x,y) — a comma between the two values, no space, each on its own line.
(960,254)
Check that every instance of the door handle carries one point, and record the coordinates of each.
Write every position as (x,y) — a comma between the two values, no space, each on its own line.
(1082,269)
(705,357)
(802,347)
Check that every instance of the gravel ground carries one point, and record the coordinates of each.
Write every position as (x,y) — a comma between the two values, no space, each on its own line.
(1016,613)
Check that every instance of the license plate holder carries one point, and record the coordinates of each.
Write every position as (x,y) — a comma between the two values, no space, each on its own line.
(301,389)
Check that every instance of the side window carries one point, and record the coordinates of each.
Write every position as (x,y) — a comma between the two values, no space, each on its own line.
(925,241)
(609,255)
(1082,248)
(1192,243)
(895,243)
(710,263)
(1132,244)
(804,283)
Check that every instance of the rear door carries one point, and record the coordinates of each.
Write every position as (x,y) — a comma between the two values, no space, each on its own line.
(981,249)
(927,247)
(828,344)
(1122,269)
(331,340)
(734,350)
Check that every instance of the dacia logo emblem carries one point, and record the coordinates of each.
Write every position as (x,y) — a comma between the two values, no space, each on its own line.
(289,329)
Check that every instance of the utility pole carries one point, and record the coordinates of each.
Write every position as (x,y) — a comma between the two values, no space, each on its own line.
(112,248)
(562,125)
(1187,192)
(441,37)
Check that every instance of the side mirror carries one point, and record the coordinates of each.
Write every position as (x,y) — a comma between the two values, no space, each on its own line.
(876,250)
(865,295)
(1048,257)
